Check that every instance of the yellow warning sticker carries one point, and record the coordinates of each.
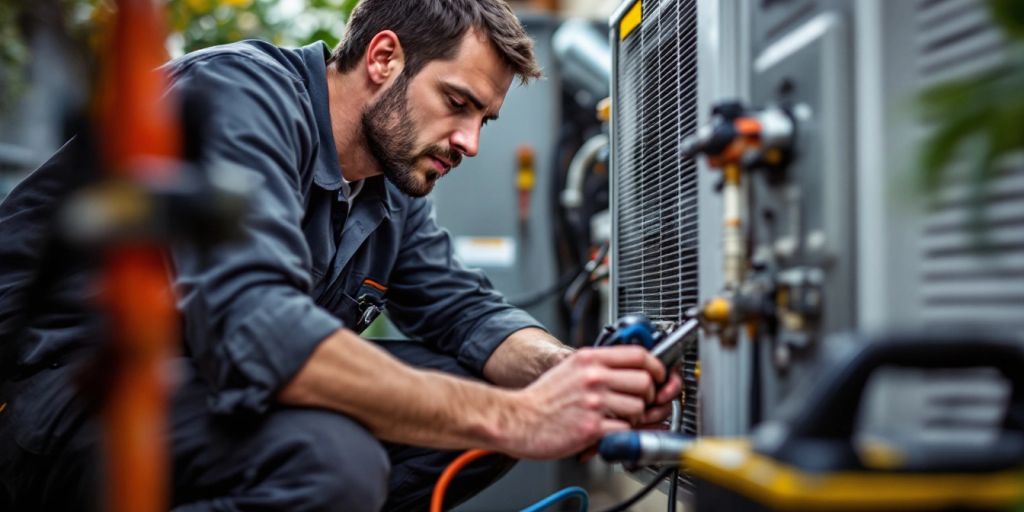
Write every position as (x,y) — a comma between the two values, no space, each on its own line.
(631,20)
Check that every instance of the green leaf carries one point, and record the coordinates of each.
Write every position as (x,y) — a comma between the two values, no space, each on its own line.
(1009,14)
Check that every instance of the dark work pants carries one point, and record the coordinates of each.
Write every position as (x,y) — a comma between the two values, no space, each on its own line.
(290,459)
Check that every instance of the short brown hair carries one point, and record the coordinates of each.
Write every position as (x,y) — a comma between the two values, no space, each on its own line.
(432,30)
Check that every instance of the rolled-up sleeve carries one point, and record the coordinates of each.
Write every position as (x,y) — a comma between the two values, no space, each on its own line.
(434,297)
(250,323)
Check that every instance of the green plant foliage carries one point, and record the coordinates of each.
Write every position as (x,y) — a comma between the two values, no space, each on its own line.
(982,112)
(976,120)
(1009,14)
(203,23)
(193,24)
(13,55)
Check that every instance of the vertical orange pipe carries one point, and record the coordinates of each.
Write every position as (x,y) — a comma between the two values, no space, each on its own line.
(136,121)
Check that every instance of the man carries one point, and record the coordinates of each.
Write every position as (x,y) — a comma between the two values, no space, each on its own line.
(282,406)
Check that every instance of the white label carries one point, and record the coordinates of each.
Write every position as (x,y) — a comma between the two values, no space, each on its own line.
(486,251)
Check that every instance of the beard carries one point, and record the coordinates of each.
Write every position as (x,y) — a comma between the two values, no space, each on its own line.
(391,138)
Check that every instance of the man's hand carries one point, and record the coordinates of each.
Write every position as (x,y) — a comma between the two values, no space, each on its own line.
(591,393)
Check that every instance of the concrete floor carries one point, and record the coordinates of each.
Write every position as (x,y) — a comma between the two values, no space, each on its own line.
(531,481)
(621,486)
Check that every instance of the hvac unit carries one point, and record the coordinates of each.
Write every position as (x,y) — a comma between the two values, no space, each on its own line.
(837,237)
(654,192)
(844,217)
(848,206)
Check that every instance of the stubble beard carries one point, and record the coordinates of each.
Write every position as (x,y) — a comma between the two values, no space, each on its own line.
(391,138)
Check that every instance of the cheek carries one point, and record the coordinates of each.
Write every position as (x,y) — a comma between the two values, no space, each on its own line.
(431,133)
(432,122)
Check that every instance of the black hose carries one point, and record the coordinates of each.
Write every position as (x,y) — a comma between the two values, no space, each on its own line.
(663,474)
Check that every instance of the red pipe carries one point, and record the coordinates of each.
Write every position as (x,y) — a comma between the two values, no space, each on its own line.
(137,120)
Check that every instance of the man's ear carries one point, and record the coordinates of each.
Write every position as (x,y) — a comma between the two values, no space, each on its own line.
(385,58)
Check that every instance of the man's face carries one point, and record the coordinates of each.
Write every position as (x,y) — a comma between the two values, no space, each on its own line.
(420,127)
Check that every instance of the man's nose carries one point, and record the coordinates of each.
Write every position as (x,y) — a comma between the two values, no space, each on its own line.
(466,140)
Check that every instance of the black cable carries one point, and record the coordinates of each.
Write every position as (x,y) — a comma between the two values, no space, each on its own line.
(580,273)
(672,487)
(675,425)
(663,474)
(586,276)
(576,337)
(528,301)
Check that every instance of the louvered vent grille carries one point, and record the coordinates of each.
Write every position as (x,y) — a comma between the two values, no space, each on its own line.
(655,106)
(967,276)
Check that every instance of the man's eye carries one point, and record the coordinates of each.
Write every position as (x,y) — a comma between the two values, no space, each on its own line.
(455,103)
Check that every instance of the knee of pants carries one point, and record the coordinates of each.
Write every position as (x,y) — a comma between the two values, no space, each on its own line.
(335,463)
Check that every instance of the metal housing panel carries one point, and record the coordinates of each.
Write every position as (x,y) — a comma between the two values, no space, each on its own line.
(724,50)
(805,219)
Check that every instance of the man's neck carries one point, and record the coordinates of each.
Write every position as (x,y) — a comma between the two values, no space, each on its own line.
(348,96)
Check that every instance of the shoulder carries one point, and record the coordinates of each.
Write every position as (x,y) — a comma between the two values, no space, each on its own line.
(245,72)
(245,83)
(245,57)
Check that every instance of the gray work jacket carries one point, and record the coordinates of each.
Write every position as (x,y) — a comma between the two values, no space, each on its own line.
(254,310)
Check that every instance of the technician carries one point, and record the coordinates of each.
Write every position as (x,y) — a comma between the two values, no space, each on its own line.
(281,405)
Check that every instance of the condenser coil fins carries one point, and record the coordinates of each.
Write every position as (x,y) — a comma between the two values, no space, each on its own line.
(654,191)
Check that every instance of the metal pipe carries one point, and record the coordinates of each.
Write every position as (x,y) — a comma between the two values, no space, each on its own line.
(733,250)
(137,121)
(572,196)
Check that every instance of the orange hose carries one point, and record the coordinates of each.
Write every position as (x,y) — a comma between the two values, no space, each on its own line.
(437,499)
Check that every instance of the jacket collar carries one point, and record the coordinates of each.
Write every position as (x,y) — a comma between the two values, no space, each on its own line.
(328,172)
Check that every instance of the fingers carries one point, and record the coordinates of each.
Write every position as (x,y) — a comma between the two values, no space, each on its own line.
(613,425)
(655,415)
(587,454)
(626,407)
(638,383)
(623,356)
(670,390)
(632,382)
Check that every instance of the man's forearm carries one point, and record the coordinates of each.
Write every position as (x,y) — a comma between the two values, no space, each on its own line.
(524,356)
(574,403)
(397,402)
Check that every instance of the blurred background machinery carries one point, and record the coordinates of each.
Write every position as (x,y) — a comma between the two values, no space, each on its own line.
(850,175)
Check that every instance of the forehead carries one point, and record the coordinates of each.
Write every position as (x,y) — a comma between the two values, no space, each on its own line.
(476,66)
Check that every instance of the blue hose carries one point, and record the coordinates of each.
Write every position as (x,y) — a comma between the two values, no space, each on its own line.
(564,494)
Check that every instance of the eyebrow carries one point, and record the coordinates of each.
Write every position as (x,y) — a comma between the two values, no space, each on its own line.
(463,91)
